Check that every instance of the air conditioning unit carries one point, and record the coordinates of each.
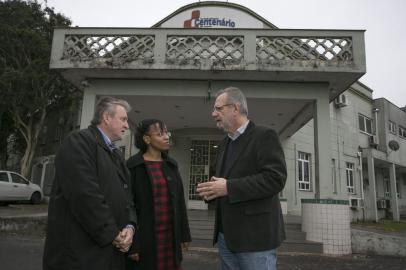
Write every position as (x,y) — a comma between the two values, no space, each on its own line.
(341,101)
(373,141)
(381,204)
(356,203)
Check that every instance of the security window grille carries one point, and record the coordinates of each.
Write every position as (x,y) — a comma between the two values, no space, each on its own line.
(386,186)
(303,164)
(392,127)
(402,132)
(349,171)
(365,124)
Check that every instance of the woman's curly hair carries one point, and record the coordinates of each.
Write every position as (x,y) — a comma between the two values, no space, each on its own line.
(142,129)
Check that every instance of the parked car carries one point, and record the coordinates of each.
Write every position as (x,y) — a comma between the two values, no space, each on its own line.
(14,187)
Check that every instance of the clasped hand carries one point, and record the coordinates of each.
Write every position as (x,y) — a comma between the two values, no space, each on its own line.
(124,239)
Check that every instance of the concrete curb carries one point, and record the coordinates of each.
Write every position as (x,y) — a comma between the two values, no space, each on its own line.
(368,242)
(29,224)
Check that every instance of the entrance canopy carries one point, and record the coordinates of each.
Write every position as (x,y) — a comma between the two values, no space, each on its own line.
(221,44)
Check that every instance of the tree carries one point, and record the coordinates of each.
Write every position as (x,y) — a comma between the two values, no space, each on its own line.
(29,89)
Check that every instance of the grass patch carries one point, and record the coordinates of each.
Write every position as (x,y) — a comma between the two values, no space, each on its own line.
(384,225)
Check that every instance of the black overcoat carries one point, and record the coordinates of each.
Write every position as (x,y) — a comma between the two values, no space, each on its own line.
(90,203)
(141,184)
(251,214)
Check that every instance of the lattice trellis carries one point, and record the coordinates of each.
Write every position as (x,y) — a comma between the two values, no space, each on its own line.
(205,47)
(297,48)
(124,47)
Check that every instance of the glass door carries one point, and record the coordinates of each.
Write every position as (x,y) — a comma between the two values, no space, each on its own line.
(202,167)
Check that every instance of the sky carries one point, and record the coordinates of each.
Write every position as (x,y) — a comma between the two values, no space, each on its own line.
(383,20)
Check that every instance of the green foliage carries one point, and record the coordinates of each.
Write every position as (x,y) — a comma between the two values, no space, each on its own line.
(28,88)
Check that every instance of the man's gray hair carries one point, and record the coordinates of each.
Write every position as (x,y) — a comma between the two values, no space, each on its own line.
(235,96)
(108,104)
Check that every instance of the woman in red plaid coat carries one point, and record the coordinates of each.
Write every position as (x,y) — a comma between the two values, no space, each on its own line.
(163,229)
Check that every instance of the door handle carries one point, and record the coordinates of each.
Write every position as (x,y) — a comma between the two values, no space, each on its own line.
(15,186)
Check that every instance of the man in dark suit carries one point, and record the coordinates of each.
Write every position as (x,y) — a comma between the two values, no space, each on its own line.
(91,218)
(250,172)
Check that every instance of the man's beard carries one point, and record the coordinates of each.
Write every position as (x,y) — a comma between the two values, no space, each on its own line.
(225,126)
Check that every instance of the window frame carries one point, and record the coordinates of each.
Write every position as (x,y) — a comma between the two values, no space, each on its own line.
(386,188)
(392,127)
(402,132)
(303,161)
(364,124)
(350,177)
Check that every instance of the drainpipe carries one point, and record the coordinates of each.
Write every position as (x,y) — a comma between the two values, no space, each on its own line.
(359,154)
(375,111)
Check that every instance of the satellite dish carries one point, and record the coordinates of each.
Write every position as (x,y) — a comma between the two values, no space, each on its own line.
(393,145)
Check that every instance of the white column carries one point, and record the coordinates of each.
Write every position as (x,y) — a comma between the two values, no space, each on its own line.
(322,145)
(88,105)
(371,177)
(393,192)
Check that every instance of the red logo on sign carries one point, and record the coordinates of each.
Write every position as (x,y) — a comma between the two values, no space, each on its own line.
(188,23)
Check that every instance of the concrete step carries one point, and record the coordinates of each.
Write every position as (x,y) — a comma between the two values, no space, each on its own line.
(202,243)
(202,224)
(295,235)
(301,247)
(287,246)
(293,227)
(208,234)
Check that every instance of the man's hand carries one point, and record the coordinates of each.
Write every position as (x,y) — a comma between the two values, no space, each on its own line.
(124,239)
(127,239)
(117,240)
(216,187)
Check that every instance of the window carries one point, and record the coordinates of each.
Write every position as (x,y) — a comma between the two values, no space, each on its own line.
(402,132)
(18,179)
(58,134)
(349,172)
(386,186)
(122,151)
(365,124)
(3,177)
(303,164)
(392,127)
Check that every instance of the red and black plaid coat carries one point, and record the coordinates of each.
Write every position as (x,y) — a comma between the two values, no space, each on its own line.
(161,212)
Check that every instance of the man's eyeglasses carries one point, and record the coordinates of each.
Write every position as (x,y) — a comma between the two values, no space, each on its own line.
(220,108)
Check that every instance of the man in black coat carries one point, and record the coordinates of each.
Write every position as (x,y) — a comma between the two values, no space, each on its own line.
(250,172)
(91,218)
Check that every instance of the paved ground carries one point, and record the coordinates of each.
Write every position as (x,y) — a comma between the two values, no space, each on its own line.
(22,250)
(19,252)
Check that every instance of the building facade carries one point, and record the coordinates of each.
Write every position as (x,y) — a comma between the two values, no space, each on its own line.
(344,151)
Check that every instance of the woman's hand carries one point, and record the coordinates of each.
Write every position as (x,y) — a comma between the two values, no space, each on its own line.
(185,246)
(134,256)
